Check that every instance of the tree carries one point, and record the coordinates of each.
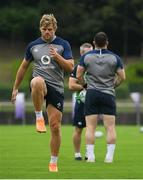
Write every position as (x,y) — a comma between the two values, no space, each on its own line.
(78,21)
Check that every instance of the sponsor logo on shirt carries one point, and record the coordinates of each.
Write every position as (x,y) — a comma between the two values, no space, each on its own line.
(45,60)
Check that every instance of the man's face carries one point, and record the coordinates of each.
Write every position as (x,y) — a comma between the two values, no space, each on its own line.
(47,32)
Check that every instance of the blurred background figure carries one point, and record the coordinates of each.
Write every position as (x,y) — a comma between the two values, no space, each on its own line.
(20,107)
(78,107)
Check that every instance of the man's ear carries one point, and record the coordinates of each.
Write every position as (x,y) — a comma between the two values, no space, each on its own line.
(107,42)
(94,44)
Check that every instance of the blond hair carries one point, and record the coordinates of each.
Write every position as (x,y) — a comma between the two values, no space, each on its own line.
(48,19)
(85,47)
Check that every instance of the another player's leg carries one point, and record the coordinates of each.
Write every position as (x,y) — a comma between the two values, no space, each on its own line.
(54,117)
(79,123)
(38,91)
(77,142)
(91,121)
(109,123)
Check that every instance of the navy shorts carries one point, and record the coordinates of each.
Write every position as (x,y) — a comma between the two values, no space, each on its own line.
(78,116)
(55,98)
(97,102)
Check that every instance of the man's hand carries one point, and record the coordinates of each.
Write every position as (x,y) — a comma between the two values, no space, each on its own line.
(117,82)
(65,65)
(53,52)
(14,94)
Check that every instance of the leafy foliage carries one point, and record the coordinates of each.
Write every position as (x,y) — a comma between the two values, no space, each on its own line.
(134,73)
(78,21)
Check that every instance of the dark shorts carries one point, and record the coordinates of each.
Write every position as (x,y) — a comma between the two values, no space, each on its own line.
(55,98)
(78,116)
(97,102)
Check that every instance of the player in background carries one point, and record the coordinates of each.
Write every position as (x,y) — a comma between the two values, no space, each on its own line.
(104,72)
(51,56)
(78,113)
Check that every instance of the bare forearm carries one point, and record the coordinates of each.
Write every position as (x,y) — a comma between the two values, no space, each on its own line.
(81,80)
(76,87)
(67,65)
(121,76)
(117,82)
(79,75)
(19,77)
(20,73)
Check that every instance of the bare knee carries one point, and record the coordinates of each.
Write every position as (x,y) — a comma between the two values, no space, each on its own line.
(55,127)
(78,131)
(37,82)
(111,133)
(111,129)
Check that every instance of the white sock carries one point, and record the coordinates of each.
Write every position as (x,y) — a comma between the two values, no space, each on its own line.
(90,151)
(54,159)
(110,151)
(77,154)
(39,114)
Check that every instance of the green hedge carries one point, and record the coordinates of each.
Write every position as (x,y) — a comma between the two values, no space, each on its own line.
(134,82)
(6,84)
(122,92)
(6,90)
(134,73)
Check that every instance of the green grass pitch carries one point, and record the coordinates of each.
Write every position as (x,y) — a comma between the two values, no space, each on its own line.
(24,154)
